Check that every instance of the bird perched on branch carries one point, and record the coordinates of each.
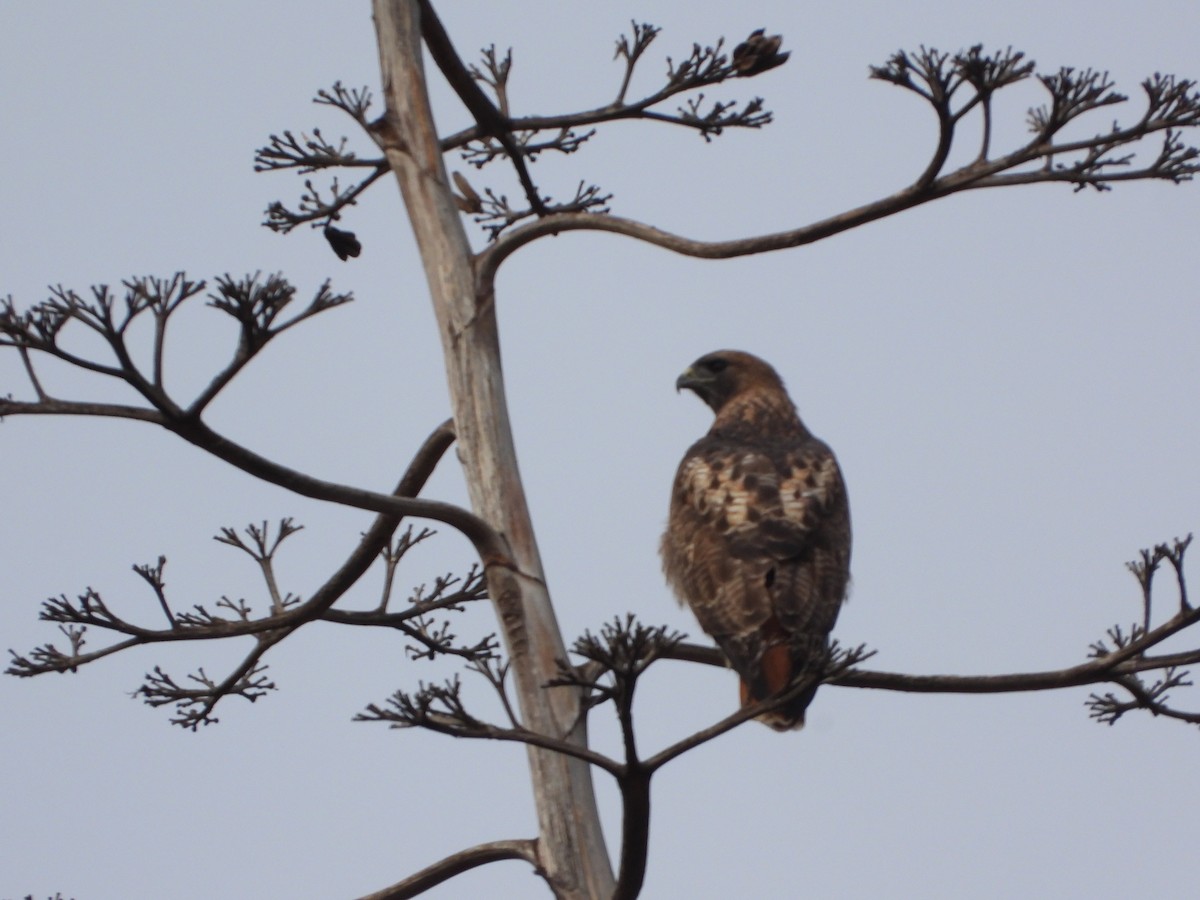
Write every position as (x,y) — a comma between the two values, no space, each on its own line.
(758,539)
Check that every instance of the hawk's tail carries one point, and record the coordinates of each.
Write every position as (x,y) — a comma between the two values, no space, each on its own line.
(780,668)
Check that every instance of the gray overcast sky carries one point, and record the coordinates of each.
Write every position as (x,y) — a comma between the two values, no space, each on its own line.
(1009,378)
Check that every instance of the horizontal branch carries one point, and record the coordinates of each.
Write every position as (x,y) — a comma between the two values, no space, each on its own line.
(374,618)
(490,259)
(1075,676)
(52,407)
(1123,662)
(1092,672)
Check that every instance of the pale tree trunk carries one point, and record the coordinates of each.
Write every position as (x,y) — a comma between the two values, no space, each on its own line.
(571,848)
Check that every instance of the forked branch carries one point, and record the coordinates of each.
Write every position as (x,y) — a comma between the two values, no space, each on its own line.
(955,86)
(498,133)
(613,661)
(287,613)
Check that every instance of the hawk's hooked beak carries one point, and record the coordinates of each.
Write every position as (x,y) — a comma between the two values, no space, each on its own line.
(690,379)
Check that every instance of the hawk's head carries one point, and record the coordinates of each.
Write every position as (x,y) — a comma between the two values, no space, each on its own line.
(718,377)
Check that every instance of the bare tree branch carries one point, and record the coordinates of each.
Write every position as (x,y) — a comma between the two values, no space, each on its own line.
(262,551)
(39,329)
(491,121)
(705,66)
(1119,664)
(440,708)
(496,134)
(1107,708)
(317,210)
(430,637)
(955,85)
(615,658)
(1171,105)
(838,662)
(307,154)
(195,704)
(457,863)
(256,305)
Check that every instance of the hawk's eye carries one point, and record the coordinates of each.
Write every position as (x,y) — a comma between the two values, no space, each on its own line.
(716,365)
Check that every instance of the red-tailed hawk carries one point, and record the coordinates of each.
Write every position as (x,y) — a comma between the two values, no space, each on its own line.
(758,539)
